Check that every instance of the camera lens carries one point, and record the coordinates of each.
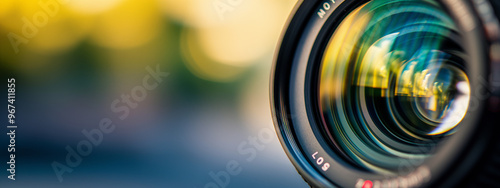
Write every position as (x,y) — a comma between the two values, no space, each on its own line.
(390,93)
(392,82)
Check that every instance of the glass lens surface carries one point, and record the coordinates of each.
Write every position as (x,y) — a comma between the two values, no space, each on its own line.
(392,82)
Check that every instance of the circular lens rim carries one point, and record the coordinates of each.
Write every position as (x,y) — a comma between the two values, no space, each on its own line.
(355,135)
(281,99)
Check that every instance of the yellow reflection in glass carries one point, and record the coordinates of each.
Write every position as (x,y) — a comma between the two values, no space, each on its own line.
(351,28)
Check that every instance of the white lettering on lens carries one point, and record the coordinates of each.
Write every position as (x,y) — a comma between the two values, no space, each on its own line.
(326,6)
(314,155)
(321,162)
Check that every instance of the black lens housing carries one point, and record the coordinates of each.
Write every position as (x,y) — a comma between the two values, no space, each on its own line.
(471,157)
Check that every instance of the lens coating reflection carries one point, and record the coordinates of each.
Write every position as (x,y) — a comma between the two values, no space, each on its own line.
(392,82)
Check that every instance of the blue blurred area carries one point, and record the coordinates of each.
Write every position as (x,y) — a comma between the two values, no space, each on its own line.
(201,117)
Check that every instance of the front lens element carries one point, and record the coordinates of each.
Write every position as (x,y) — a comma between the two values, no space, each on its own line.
(393,82)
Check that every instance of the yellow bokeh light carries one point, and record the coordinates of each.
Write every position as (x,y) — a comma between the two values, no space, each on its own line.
(44,27)
(61,33)
(203,67)
(243,36)
(220,39)
(6,7)
(92,6)
(195,13)
(129,24)
(229,33)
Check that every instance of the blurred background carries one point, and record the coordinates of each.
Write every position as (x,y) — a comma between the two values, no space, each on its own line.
(72,59)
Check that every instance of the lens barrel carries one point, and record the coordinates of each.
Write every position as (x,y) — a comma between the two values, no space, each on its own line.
(390,93)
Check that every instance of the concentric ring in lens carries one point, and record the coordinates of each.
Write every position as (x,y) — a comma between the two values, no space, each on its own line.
(393,82)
